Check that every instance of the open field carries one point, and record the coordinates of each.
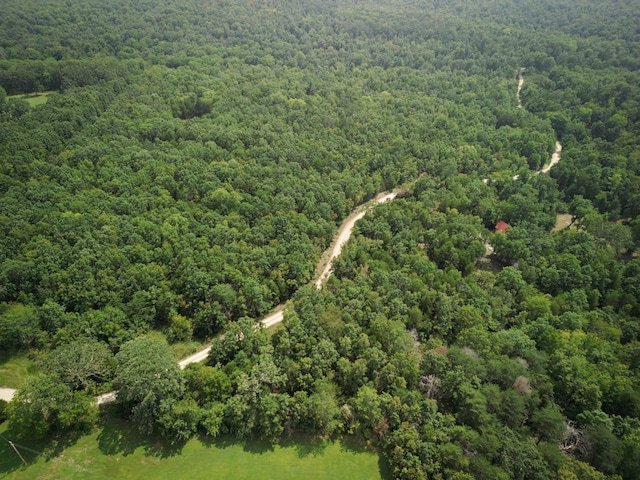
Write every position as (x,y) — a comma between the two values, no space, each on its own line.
(35,99)
(117,451)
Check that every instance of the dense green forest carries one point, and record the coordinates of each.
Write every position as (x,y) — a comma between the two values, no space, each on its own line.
(196,158)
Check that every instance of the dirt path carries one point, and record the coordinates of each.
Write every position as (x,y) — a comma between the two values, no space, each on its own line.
(196,357)
(325,267)
(274,318)
(520,84)
(555,158)
(7,394)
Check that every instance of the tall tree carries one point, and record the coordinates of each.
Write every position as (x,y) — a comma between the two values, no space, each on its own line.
(149,381)
(45,404)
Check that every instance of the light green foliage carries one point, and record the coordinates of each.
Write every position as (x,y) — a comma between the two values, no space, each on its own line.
(180,329)
(367,411)
(323,410)
(213,418)
(179,422)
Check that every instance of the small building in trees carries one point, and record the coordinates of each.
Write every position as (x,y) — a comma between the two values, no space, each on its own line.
(502,226)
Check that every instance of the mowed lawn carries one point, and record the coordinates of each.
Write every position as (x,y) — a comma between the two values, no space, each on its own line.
(110,453)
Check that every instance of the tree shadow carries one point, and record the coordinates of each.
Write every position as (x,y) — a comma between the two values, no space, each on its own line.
(384,467)
(120,437)
(359,445)
(306,445)
(9,460)
(60,444)
(258,446)
(251,445)
(28,450)
(349,443)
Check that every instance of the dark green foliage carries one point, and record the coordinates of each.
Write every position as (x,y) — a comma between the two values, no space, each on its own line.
(242,338)
(45,404)
(179,423)
(19,326)
(150,384)
(207,384)
(547,424)
(606,450)
(3,411)
(81,364)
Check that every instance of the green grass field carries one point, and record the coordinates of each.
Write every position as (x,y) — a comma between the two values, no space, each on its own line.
(179,350)
(35,99)
(15,369)
(116,451)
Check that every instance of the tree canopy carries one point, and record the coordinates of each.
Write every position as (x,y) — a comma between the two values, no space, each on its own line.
(179,168)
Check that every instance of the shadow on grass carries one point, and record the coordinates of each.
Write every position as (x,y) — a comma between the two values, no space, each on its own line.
(384,467)
(307,445)
(359,445)
(29,449)
(251,445)
(9,459)
(304,445)
(121,437)
(353,444)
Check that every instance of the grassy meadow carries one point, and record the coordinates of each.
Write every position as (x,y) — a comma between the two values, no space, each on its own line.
(116,451)
(35,99)
(15,369)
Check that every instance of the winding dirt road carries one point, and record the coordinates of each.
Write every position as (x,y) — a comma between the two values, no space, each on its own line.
(344,233)
(555,158)
(325,267)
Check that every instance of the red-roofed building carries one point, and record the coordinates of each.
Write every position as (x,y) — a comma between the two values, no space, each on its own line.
(502,226)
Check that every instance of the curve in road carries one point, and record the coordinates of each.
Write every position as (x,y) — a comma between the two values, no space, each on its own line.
(325,266)
(326,263)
